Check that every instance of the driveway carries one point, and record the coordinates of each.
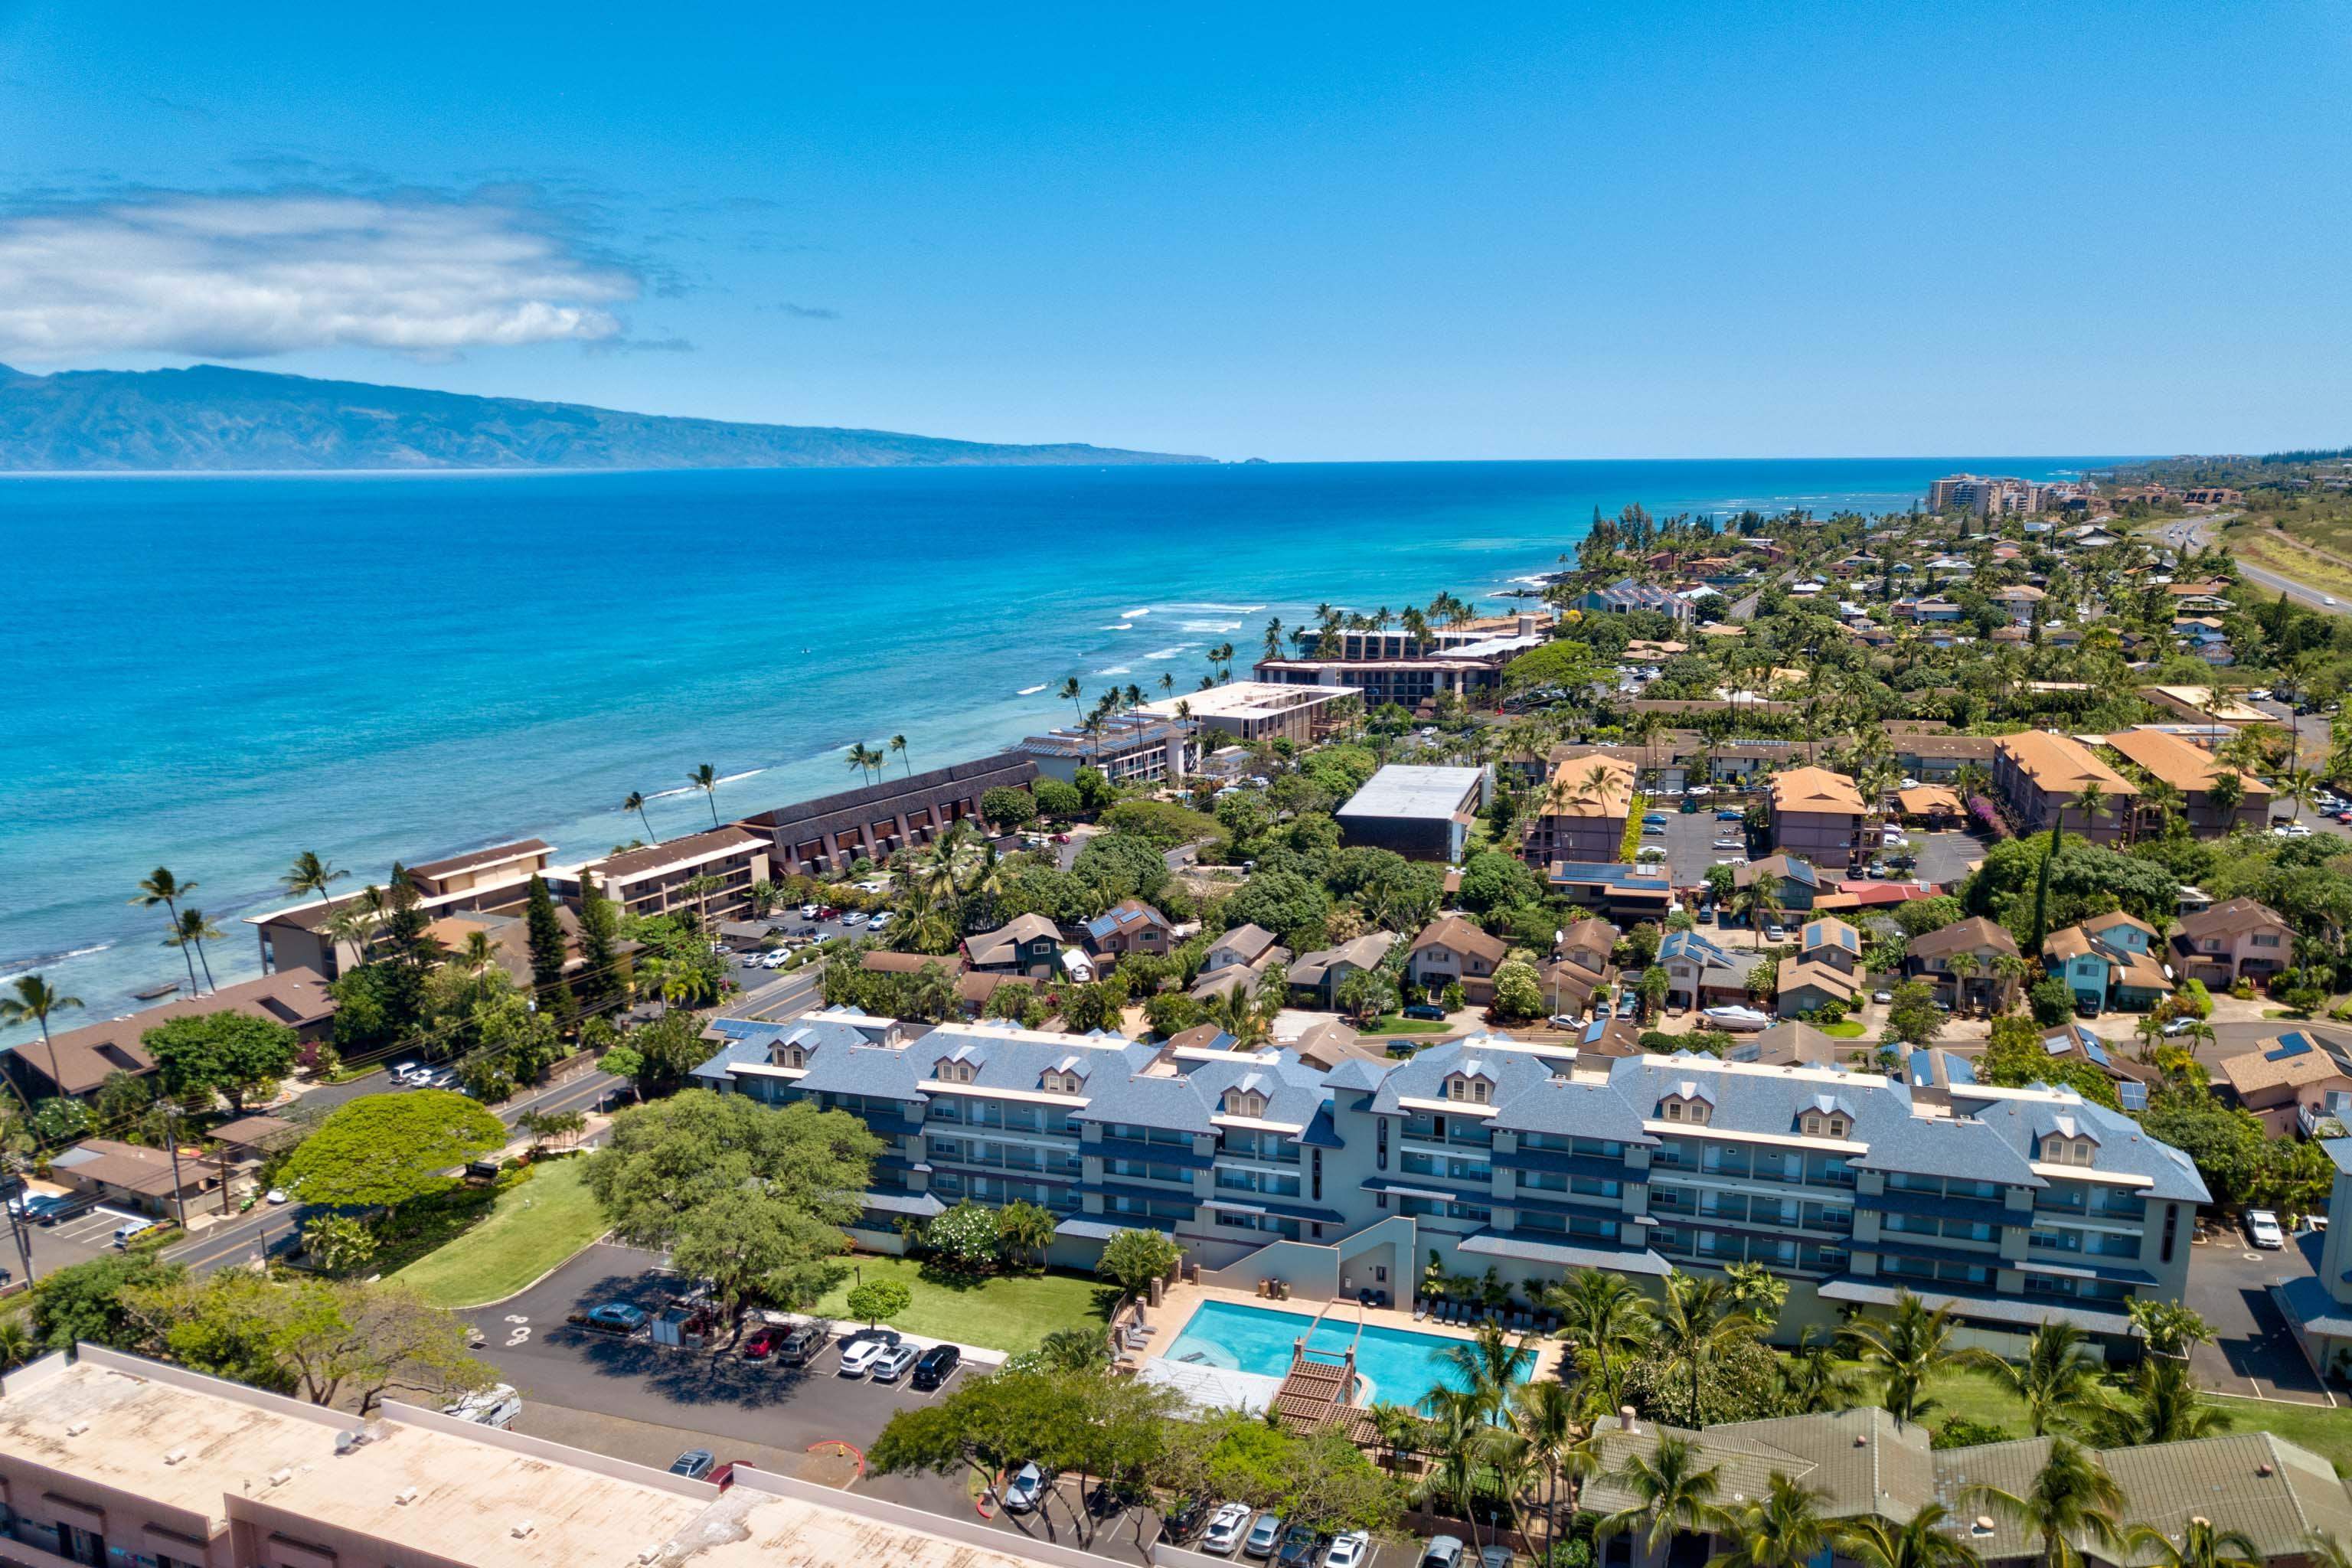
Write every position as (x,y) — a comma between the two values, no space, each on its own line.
(2253,1352)
(1946,856)
(1690,843)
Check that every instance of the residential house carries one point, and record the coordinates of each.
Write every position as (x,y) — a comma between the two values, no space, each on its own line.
(1795,883)
(1626,597)
(1026,944)
(1932,807)
(2109,961)
(1583,812)
(1245,946)
(74,1063)
(1129,927)
(1936,757)
(1625,894)
(1580,966)
(1817,815)
(1419,813)
(2193,771)
(2022,601)
(1826,972)
(2041,775)
(1320,973)
(2235,939)
(1451,949)
(2303,1076)
(128,1175)
(1701,974)
(1963,964)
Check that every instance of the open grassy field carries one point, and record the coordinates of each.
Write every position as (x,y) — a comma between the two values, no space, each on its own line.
(2326,1432)
(1006,1312)
(533,1226)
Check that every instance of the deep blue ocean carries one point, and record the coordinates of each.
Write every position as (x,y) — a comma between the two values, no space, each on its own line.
(213,673)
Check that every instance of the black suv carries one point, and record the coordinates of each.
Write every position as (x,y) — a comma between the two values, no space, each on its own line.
(1301,1545)
(939,1363)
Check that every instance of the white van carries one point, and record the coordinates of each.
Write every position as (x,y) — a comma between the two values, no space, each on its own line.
(497,1405)
(129,1229)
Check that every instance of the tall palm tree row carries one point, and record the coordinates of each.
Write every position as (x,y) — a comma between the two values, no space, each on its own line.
(192,930)
(34,1001)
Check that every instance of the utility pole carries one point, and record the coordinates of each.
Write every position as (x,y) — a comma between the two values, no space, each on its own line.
(16,1166)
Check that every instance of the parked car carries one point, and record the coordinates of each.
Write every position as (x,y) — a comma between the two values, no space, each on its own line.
(1882,997)
(892,1364)
(1349,1550)
(762,1342)
(1726,815)
(1727,842)
(1227,1528)
(1494,1554)
(1178,1522)
(938,1364)
(1441,1551)
(694,1464)
(879,921)
(403,1072)
(2179,1026)
(617,1318)
(1264,1535)
(1565,1021)
(1649,817)
(1426,1010)
(862,1349)
(1026,1489)
(1653,830)
(2262,1230)
(125,1233)
(801,1345)
(1776,932)
(1301,1545)
(41,1208)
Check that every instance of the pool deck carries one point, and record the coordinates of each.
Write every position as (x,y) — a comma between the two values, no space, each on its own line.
(1176,1309)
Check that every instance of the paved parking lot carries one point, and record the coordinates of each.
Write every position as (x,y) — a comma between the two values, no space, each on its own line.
(1690,842)
(2255,1352)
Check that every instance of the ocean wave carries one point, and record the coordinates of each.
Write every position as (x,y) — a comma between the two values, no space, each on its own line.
(733,778)
(1029,692)
(1115,669)
(696,789)
(1177,651)
(1208,625)
(1134,615)
(1220,609)
(1122,626)
(41,961)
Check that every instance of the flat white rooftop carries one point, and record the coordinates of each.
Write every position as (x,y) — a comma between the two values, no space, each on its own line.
(1398,791)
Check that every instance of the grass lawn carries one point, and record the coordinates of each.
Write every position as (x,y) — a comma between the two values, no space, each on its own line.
(1843,1029)
(1008,1313)
(1397,1024)
(533,1226)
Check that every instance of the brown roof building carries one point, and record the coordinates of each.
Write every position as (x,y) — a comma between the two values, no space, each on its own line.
(2192,769)
(2040,774)
(2238,938)
(86,1057)
(654,881)
(1818,814)
(1450,949)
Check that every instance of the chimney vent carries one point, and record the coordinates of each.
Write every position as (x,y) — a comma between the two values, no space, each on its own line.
(405,1496)
(279,1478)
(176,1456)
(1625,1419)
(523,1532)
(76,1428)
(1983,1525)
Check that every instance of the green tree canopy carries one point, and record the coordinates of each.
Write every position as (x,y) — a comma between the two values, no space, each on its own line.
(1562,666)
(1132,1259)
(1493,880)
(669,1160)
(384,1150)
(1284,903)
(228,1052)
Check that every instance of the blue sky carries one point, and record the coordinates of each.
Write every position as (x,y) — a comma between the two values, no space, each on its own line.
(1359,232)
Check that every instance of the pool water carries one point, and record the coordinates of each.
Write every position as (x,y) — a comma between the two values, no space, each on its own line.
(1392,1365)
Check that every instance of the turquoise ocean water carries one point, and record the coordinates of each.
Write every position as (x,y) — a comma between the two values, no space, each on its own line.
(213,672)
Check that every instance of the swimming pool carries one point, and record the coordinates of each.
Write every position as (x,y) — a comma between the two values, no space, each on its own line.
(1392,1365)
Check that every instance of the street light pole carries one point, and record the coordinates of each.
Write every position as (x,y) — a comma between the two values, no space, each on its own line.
(171,1110)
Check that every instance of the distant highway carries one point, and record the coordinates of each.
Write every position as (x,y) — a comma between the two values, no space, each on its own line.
(2196,533)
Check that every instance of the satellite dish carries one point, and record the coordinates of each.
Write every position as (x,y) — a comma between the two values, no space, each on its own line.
(346,1441)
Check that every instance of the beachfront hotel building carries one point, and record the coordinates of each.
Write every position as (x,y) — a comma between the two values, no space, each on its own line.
(1471,671)
(709,873)
(497,879)
(1128,748)
(1248,711)
(109,1458)
(832,832)
(2011,1206)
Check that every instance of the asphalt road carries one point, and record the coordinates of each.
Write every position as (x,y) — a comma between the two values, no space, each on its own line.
(2194,532)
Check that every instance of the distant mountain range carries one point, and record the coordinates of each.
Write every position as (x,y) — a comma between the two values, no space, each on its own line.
(211,417)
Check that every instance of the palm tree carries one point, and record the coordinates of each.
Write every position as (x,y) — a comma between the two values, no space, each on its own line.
(1905,1349)
(1697,1323)
(2057,1377)
(1490,1364)
(311,875)
(2073,1496)
(36,999)
(192,930)
(637,803)
(1782,1528)
(167,889)
(1817,1379)
(2200,1546)
(1462,1440)
(1925,1542)
(898,744)
(705,779)
(2300,785)
(1544,1414)
(1402,1430)
(1274,637)
(1759,903)
(1600,1312)
(1071,693)
(354,924)
(2163,1407)
(1672,1492)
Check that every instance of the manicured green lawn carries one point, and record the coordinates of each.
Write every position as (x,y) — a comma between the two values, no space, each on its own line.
(1009,1313)
(533,1226)
(1843,1029)
(1397,1024)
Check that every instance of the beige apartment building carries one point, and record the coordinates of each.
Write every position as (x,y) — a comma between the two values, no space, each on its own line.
(2192,769)
(1818,816)
(659,878)
(112,1459)
(498,877)
(1253,710)
(2040,774)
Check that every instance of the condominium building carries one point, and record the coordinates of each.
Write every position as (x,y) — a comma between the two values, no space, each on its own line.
(110,1458)
(495,878)
(1987,496)
(2194,771)
(1583,812)
(833,832)
(710,873)
(1358,644)
(1127,748)
(1421,813)
(1253,710)
(1818,816)
(2041,775)
(2011,1206)
(1471,671)
(76,1063)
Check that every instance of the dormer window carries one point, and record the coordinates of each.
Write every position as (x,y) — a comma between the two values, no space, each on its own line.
(1831,1124)
(792,1057)
(953,1071)
(1468,1090)
(1242,1102)
(2069,1151)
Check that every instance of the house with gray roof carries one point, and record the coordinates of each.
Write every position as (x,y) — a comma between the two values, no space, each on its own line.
(1320,973)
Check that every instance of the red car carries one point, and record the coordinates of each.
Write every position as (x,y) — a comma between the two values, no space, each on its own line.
(1061,839)
(762,1342)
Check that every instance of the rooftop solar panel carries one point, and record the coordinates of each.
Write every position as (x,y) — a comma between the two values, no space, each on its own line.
(2134,1096)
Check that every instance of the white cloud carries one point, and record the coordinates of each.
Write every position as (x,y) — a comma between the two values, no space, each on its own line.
(240,275)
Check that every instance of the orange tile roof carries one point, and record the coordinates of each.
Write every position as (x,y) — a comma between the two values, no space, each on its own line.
(2061,764)
(2185,766)
(1814,789)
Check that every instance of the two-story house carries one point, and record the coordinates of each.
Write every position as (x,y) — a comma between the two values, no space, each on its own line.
(1319,974)
(2237,938)
(1793,879)
(1128,927)
(1701,974)
(1028,946)
(2109,961)
(1970,964)
(1826,970)
(1453,950)
(1817,815)
(2290,1083)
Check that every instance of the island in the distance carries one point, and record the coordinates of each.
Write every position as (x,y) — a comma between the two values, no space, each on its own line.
(211,417)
